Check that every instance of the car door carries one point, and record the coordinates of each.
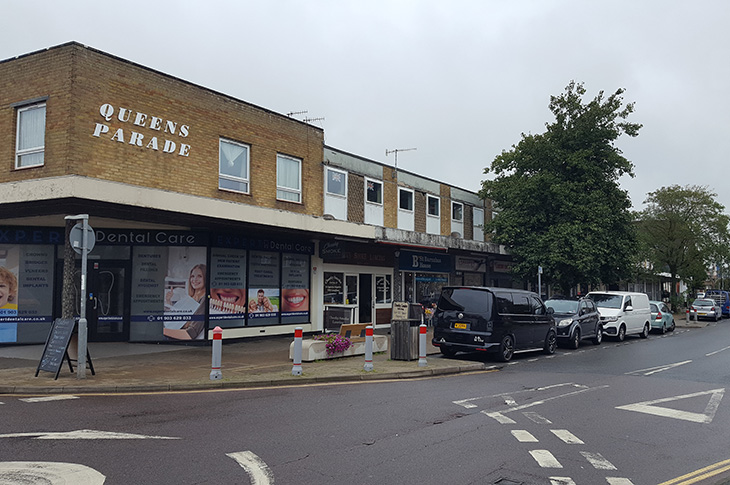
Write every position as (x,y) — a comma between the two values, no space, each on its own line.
(522,321)
(588,319)
(542,322)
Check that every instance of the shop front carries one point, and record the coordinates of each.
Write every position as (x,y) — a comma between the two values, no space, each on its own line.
(423,275)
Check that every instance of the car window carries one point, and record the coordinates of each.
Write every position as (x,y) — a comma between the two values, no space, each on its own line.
(653,307)
(664,308)
(627,303)
(504,302)
(537,307)
(562,306)
(606,301)
(465,299)
(521,304)
(591,305)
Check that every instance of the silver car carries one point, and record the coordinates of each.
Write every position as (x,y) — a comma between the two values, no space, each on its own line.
(705,308)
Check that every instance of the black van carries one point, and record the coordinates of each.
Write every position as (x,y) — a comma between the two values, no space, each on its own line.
(499,320)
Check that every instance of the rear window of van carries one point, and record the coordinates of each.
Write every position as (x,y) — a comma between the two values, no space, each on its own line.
(466,300)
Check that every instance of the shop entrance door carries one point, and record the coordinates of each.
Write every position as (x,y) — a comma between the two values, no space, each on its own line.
(107,311)
(365,302)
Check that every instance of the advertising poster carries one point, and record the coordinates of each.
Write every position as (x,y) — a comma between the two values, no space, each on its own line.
(295,288)
(26,292)
(263,293)
(227,304)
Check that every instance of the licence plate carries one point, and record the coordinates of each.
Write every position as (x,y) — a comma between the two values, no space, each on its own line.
(460,326)
(703,313)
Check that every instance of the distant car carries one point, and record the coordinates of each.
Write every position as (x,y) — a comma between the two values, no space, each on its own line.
(576,319)
(722,298)
(623,313)
(705,308)
(661,317)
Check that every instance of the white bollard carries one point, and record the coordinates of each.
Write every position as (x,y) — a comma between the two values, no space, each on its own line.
(368,348)
(215,371)
(296,369)
(422,345)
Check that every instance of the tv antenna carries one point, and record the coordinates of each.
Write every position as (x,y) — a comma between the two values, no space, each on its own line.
(296,113)
(309,120)
(388,152)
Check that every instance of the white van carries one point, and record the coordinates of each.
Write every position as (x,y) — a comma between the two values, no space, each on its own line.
(623,312)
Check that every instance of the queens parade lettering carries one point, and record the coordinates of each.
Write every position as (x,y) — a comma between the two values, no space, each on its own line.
(138,120)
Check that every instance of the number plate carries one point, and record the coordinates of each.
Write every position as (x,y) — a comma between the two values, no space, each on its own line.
(460,326)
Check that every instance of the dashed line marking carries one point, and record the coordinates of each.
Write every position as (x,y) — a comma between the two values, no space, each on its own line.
(717,351)
(500,418)
(619,481)
(48,398)
(545,459)
(524,436)
(567,436)
(561,481)
(598,461)
(510,401)
(536,418)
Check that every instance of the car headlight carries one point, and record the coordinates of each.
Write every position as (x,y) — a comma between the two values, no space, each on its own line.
(610,319)
(565,322)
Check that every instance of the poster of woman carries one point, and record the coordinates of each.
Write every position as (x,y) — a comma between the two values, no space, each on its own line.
(185,294)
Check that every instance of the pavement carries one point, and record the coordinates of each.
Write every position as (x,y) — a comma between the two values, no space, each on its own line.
(122,367)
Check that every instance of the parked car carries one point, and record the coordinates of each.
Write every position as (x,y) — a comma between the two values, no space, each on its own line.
(623,313)
(722,298)
(576,319)
(661,317)
(496,320)
(705,308)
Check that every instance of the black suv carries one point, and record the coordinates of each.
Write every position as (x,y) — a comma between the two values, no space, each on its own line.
(497,320)
(576,319)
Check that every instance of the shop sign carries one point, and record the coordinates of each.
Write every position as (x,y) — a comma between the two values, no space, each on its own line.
(31,235)
(164,135)
(235,241)
(503,266)
(424,262)
(475,265)
(354,253)
(150,238)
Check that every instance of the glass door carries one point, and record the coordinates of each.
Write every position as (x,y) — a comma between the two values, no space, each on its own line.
(365,305)
(106,304)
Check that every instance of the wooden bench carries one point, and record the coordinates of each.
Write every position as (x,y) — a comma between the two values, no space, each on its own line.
(354,331)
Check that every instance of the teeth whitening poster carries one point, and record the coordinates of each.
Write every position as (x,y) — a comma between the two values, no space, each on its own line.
(227,303)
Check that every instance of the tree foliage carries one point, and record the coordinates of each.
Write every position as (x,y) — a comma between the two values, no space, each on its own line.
(557,194)
(685,230)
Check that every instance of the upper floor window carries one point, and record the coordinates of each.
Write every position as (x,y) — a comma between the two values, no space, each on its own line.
(336,183)
(457,211)
(433,206)
(30,140)
(478,223)
(288,178)
(374,191)
(405,199)
(233,166)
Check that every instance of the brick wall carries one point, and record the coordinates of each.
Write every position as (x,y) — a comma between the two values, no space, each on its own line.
(355,198)
(78,81)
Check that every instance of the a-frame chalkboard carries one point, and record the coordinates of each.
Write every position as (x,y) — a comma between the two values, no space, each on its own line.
(56,348)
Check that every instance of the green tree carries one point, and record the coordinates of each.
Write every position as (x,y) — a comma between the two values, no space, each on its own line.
(557,193)
(685,230)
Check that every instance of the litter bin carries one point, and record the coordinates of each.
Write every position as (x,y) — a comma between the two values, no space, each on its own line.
(404,339)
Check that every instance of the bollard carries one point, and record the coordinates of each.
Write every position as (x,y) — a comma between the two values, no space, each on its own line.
(368,348)
(422,345)
(215,372)
(296,369)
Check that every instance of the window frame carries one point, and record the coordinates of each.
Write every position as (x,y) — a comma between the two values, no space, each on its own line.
(453,206)
(438,206)
(233,178)
(284,188)
(477,228)
(401,190)
(380,183)
(29,151)
(327,179)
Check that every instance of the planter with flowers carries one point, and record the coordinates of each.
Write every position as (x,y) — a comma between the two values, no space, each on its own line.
(333,345)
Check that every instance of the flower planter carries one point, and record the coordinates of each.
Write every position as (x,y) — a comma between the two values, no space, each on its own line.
(317,350)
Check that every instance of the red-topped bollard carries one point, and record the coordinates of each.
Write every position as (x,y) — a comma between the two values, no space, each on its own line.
(296,369)
(215,372)
(368,348)
(422,329)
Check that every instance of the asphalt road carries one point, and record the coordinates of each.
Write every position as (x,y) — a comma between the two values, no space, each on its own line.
(638,412)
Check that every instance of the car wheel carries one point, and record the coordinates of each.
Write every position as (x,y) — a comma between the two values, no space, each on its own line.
(599,336)
(621,336)
(645,333)
(448,352)
(671,329)
(575,340)
(551,343)
(506,348)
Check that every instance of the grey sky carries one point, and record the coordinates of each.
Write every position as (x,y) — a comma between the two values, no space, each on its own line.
(458,80)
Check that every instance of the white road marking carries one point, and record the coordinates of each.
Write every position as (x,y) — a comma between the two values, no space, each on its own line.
(258,471)
(561,481)
(501,418)
(654,370)
(509,401)
(85,434)
(48,398)
(524,436)
(467,403)
(567,436)
(598,461)
(536,418)
(49,472)
(545,459)
(717,351)
(543,401)
(619,481)
(706,417)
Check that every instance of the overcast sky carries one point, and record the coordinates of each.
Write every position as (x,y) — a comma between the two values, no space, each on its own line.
(457,80)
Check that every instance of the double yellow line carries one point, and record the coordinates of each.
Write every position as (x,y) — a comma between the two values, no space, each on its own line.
(701,474)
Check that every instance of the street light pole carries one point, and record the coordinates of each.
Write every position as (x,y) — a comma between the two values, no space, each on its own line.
(83,327)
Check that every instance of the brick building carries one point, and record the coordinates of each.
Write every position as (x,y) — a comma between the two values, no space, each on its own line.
(208,211)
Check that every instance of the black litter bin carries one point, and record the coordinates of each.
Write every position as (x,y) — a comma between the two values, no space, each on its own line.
(404,334)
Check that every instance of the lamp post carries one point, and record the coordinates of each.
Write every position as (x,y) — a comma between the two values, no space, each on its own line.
(83,327)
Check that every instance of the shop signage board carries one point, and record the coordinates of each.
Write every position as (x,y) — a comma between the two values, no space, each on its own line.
(424,262)
(56,348)
(400,310)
